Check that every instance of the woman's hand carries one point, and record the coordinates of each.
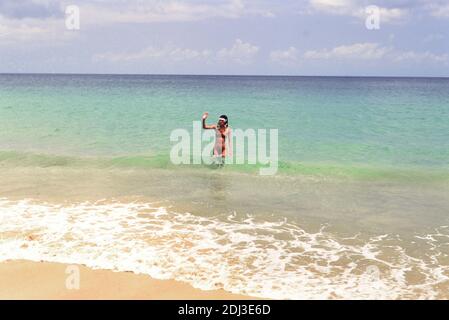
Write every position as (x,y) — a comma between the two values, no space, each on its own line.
(205,126)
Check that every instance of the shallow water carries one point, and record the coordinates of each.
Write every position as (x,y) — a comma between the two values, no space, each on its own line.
(275,238)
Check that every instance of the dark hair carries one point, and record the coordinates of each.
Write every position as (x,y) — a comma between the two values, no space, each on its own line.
(226,118)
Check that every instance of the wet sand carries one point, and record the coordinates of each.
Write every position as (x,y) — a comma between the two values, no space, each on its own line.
(48,281)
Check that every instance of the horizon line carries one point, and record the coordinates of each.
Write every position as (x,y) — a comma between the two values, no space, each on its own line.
(219,75)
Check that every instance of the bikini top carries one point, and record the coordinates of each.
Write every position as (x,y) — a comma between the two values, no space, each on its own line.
(223,135)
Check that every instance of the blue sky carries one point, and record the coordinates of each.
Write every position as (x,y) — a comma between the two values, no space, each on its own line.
(290,37)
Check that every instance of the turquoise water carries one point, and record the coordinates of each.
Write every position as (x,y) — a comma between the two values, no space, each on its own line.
(362,185)
(330,122)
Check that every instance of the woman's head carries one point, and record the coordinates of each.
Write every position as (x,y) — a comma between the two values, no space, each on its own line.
(223,121)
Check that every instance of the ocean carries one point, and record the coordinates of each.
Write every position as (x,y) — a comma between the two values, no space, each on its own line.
(358,209)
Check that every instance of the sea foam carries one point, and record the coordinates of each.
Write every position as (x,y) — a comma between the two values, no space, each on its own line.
(237,253)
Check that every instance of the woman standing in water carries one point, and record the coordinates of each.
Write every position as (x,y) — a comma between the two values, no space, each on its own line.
(222,135)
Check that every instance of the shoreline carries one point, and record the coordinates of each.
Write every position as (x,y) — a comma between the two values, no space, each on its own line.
(23,279)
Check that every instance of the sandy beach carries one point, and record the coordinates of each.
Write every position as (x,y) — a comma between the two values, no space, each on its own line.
(41,280)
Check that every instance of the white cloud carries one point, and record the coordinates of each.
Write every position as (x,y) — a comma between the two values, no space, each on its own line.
(356,9)
(241,52)
(332,6)
(374,51)
(363,51)
(171,54)
(100,12)
(167,11)
(285,57)
(41,31)
(419,57)
(388,14)
(19,31)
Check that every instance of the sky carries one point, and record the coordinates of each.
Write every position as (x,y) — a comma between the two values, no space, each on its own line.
(232,37)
